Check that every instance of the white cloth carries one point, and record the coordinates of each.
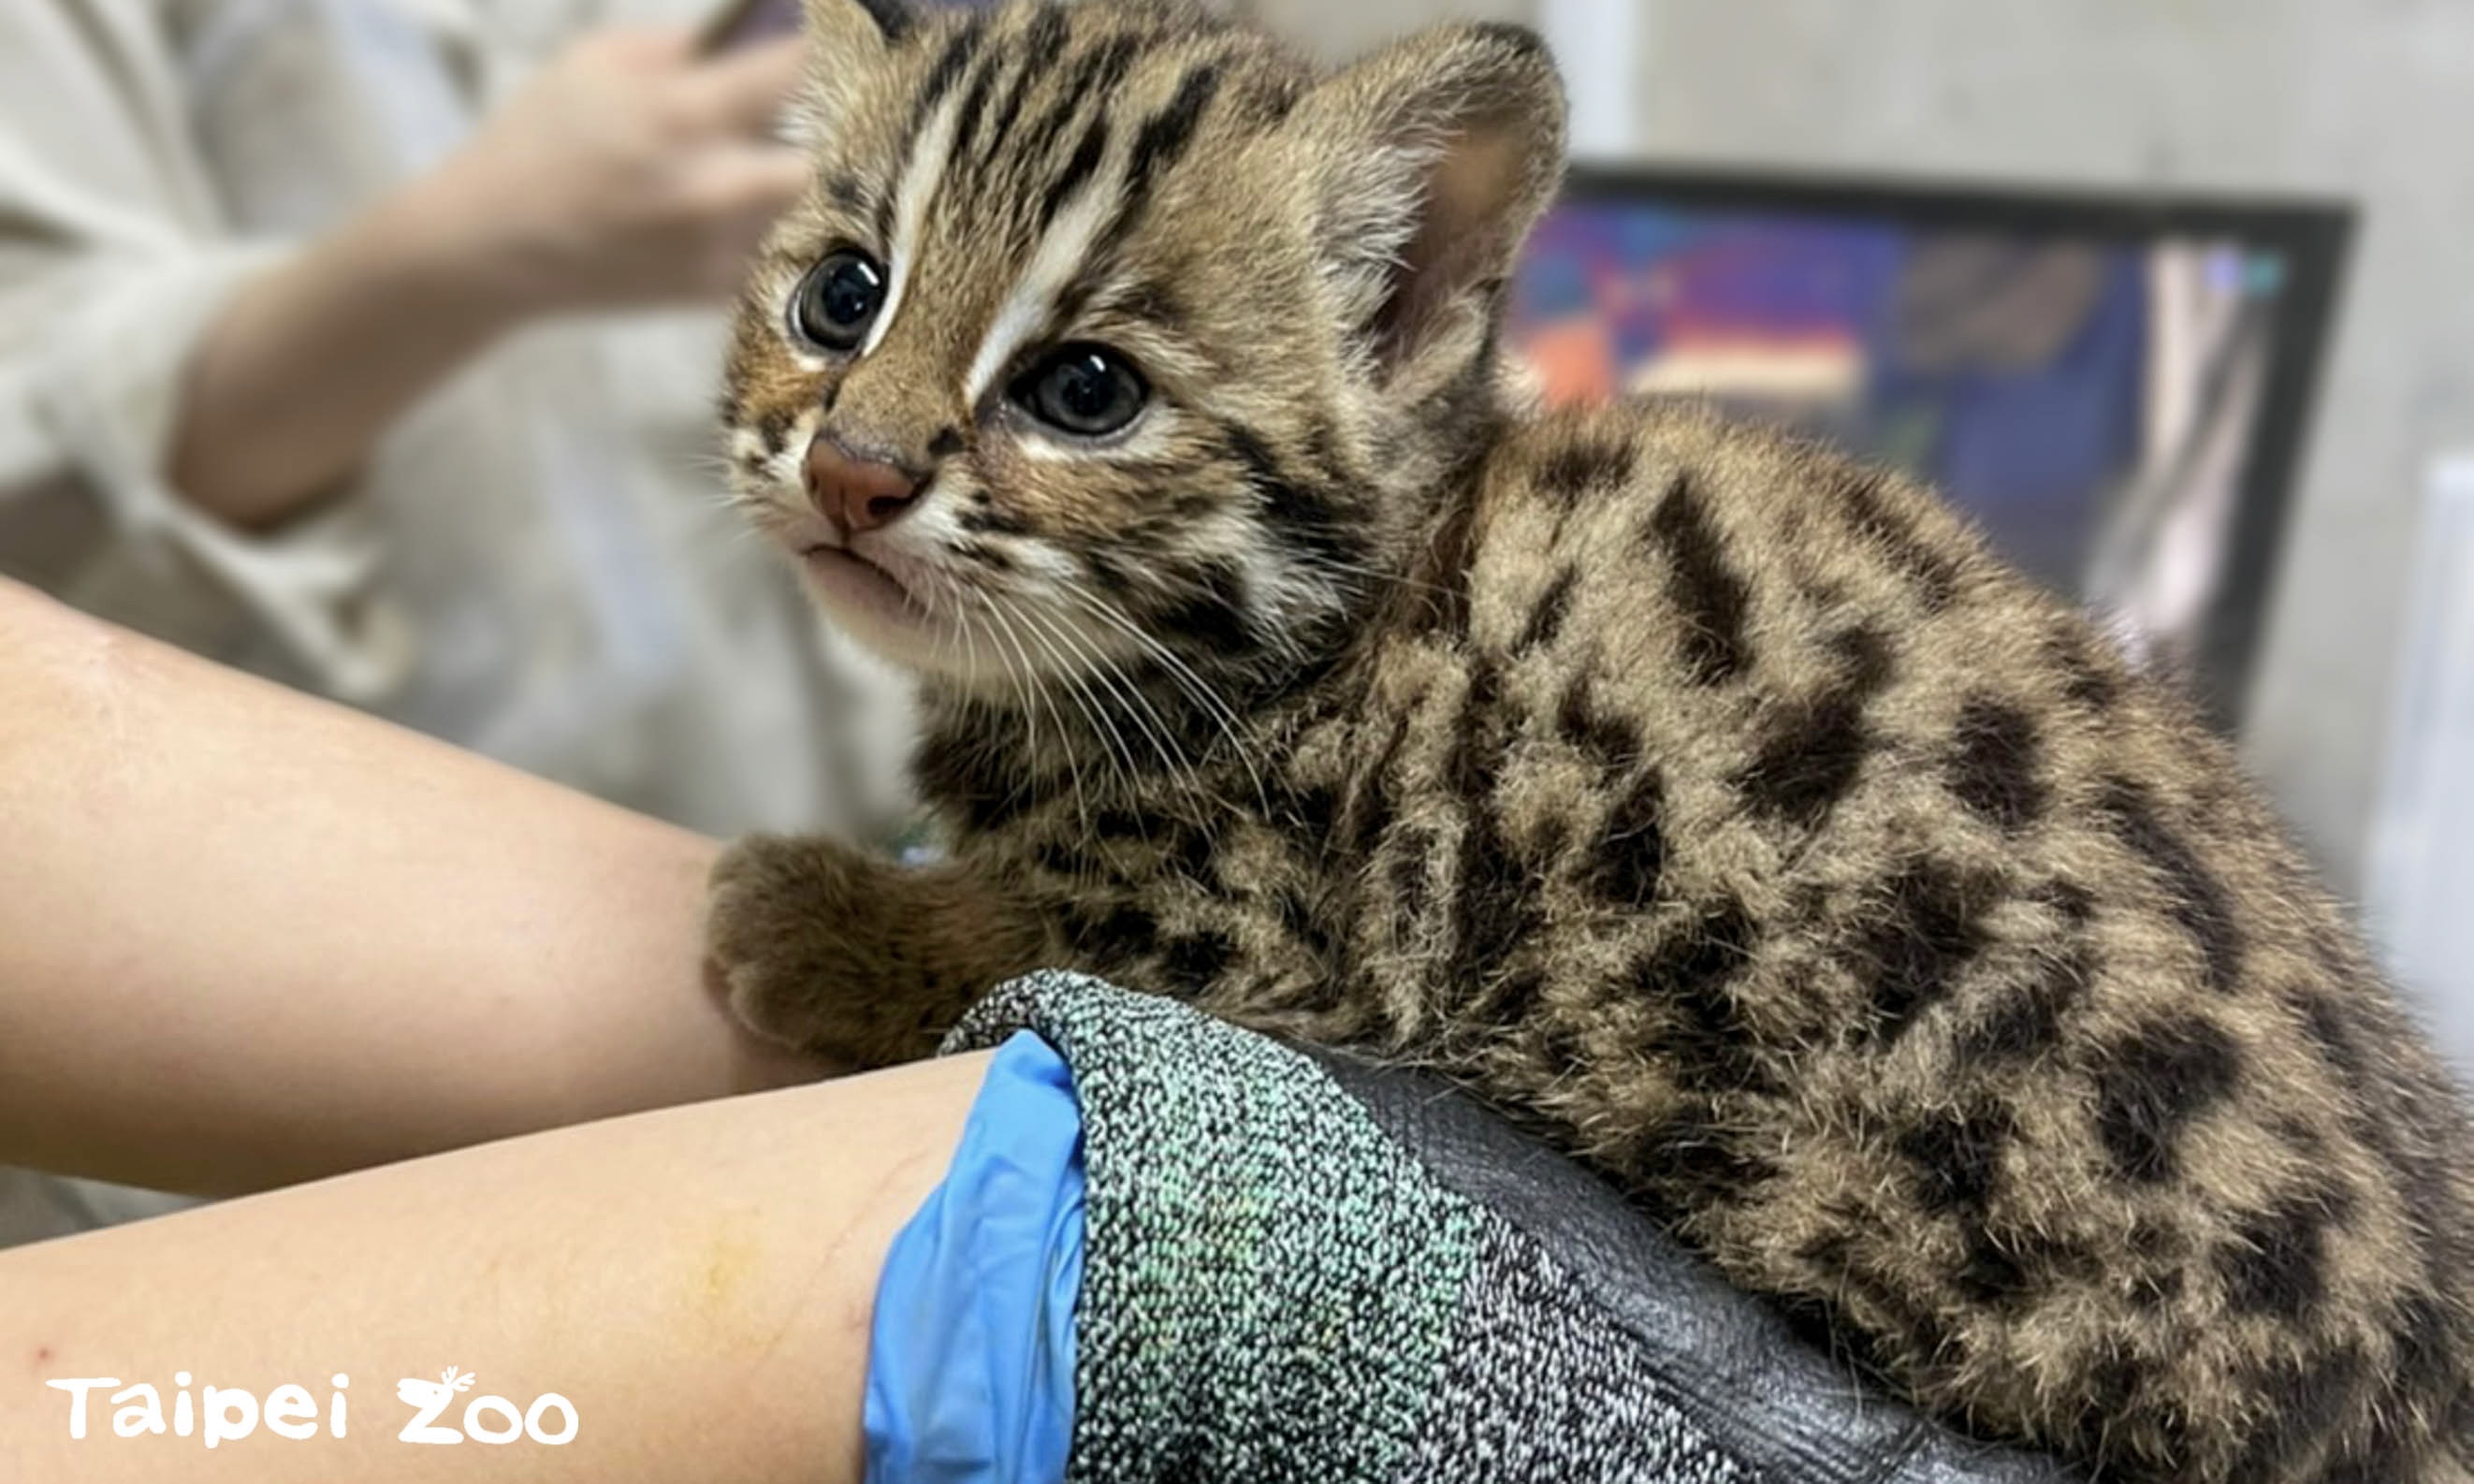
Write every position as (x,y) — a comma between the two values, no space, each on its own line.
(536,563)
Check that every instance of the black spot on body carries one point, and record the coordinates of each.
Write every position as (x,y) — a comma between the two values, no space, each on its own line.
(1925,931)
(1811,753)
(2027,1019)
(1479,742)
(1187,848)
(1546,620)
(2154,1084)
(1195,960)
(2009,1268)
(1518,997)
(1604,739)
(1934,573)
(956,770)
(2195,898)
(1631,854)
(2116,1377)
(1270,102)
(1993,766)
(1691,977)
(1312,807)
(1211,610)
(1709,599)
(1584,465)
(1694,1162)
(1517,38)
(2325,1021)
(1438,595)
(1369,807)
(1957,1157)
(1127,930)
(2157,1287)
(1308,927)
(2305,1397)
(1411,868)
(2084,680)
(1496,899)
(2275,1262)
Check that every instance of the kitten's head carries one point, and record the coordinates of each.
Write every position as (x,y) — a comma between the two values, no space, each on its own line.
(1112,335)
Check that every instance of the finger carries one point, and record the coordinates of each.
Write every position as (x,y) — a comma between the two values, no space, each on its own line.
(749,182)
(644,45)
(746,90)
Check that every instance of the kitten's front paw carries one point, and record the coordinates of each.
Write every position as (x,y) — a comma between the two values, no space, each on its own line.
(779,923)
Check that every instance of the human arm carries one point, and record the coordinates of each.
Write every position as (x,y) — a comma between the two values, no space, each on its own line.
(248,937)
(627,173)
(697,1283)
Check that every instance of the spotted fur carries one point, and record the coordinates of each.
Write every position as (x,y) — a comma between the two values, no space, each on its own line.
(1720,807)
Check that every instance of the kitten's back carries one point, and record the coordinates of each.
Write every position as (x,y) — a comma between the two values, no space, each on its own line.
(1843,892)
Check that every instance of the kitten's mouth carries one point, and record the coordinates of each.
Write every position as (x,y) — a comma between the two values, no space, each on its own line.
(856,580)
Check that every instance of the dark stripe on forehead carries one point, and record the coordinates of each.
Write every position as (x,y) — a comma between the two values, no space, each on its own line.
(1162,141)
(1156,149)
(974,106)
(1039,46)
(943,74)
(959,48)
(1167,135)
(1096,72)
(1095,76)
(1076,175)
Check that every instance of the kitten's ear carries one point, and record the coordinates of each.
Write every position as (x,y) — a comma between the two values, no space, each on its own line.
(1431,160)
(847,40)
(857,29)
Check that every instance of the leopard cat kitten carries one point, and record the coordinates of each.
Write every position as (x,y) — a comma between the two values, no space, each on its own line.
(1718,806)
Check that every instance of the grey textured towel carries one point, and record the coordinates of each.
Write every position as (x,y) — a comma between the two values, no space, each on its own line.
(1275,1290)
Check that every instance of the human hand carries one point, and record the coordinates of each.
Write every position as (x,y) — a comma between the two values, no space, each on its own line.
(630,171)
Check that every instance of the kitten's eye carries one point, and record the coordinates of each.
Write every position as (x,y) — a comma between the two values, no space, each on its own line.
(1085,390)
(837,301)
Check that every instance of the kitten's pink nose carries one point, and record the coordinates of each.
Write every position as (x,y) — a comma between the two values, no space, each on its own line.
(862,494)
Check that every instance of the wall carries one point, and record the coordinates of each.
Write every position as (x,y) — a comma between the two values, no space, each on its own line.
(2371,99)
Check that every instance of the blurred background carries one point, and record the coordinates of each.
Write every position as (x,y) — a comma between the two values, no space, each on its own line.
(2174,295)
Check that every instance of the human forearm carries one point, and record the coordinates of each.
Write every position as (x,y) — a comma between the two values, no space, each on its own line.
(314,359)
(696,1284)
(247,937)
(630,172)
